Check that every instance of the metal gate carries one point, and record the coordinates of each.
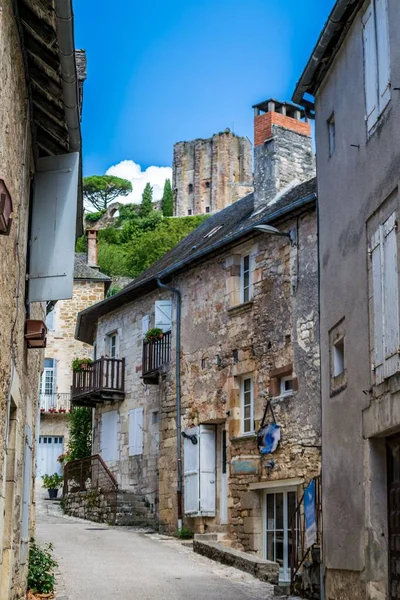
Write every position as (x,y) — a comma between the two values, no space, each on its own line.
(393,454)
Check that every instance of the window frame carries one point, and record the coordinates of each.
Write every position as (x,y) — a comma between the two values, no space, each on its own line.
(109,338)
(243,393)
(246,291)
(282,381)
(331,134)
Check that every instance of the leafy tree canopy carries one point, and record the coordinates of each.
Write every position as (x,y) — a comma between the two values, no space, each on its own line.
(167,201)
(101,190)
(147,201)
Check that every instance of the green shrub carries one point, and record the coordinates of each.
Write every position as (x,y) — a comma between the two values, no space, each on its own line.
(80,432)
(94,216)
(52,482)
(184,534)
(41,578)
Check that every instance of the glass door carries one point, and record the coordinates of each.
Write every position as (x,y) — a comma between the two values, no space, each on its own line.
(279,509)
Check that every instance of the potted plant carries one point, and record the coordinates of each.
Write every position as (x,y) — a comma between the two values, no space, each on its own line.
(81,364)
(64,458)
(153,335)
(52,483)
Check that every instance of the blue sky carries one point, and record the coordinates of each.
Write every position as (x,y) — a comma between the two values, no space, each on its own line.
(161,72)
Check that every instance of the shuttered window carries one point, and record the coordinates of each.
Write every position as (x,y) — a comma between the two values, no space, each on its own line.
(163,314)
(109,435)
(199,464)
(136,432)
(247,405)
(385,298)
(376,60)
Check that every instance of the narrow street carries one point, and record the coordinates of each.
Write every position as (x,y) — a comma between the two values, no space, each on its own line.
(101,562)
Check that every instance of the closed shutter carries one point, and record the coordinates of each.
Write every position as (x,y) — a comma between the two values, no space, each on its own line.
(163,315)
(370,67)
(191,459)
(207,470)
(376,258)
(109,435)
(383,50)
(391,296)
(26,494)
(136,432)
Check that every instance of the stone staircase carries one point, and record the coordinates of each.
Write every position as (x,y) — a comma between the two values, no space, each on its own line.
(133,510)
(220,538)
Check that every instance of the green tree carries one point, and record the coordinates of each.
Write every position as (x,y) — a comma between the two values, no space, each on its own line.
(167,201)
(101,190)
(147,201)
(80,432)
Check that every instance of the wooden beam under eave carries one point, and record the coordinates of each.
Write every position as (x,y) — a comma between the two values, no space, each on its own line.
(44,61)
(42,28)
(42,87)
(47,139)
(52,113)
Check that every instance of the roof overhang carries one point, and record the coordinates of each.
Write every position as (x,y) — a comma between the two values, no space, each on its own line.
(46,30)
(329,42)
(88,318)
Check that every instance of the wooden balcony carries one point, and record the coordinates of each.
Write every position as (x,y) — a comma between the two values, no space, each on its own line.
(156,356)
(102,381)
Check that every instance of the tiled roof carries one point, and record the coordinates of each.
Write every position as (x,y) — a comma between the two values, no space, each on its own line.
(83,271)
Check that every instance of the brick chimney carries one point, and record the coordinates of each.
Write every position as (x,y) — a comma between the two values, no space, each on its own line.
(93,250)
(282,149)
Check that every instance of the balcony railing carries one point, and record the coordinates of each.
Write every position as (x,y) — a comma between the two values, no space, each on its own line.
(103,380)
(156,355)
(55,403)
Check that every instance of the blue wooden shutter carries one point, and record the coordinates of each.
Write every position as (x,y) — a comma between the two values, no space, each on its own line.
(370,66)
(383,51)
(191,465)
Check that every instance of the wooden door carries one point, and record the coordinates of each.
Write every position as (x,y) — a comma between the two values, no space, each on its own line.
(394,516)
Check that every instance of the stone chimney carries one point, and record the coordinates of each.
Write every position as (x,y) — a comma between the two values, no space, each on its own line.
(283,151)
(93,250)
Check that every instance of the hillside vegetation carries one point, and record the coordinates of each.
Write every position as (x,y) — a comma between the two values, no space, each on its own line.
(135,242)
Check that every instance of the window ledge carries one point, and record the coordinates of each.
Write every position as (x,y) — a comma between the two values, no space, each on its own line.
(240,308)
(244,437)
(283,396)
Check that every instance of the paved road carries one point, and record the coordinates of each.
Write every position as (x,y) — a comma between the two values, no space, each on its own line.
(103,563)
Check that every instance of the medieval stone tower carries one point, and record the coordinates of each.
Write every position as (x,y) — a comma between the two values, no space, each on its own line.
(210,174)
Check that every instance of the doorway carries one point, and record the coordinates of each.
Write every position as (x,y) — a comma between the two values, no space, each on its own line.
(223,501)
(393,483)
(280,505)
(49,449)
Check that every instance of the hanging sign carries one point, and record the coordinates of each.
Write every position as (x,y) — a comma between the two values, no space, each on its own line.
(269,435)
(310,516)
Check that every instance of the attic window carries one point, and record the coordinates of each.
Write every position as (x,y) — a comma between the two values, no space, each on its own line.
(213,231)
(190,188)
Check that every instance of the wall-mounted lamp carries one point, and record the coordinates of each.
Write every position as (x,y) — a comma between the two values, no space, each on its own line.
(6,209)
(274,231)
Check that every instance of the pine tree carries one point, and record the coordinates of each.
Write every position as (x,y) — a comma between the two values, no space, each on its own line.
(147,201)
(167,201)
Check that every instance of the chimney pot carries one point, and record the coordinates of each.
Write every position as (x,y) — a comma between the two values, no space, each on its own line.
(93,250)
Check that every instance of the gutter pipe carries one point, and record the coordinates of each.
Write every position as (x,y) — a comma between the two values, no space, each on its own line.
(334,19)
(178,395)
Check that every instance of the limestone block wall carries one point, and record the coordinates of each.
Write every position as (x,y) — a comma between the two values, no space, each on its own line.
(209,174)
(55,425)
(19,372)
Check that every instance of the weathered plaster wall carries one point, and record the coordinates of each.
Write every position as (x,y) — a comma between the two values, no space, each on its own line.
(55,425)
(354,185)
(219,169)
(16,166)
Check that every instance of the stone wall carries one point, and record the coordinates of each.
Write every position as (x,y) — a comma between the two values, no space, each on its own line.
(210,174)
(19,372)
(55,425)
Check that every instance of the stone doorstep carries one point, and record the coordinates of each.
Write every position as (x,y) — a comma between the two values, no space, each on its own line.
(264,570)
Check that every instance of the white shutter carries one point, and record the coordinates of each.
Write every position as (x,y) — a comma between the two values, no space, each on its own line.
(383,49)
(145,325)
(207,470)
(26,494)
(52,242)
(136,432)
(191,458)
(163,314)
(370,66)
(376,258)
(109,435)
(390,296)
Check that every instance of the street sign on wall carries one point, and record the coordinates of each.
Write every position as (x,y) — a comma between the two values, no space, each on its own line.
(310,514)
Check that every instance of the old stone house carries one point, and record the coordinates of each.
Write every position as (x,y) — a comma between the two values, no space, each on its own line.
(353,78)
(239,312)
(90,286)
(39,179)
(210,174)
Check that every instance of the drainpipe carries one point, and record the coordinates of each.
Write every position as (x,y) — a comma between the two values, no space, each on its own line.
(178,395)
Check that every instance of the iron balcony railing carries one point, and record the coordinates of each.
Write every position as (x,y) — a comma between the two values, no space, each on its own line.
(106,375)
(156,354)
(55,403)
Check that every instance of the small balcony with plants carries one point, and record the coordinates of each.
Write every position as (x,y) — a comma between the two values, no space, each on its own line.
(95,382)
(156,354)
(55,403)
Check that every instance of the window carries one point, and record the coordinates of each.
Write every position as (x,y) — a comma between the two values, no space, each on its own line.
(385,299)
(50,320)
(145,324)
(109,436)
(286,385)
(155,417)
(199,470)
(332,134)
(190,212)
(376,60)
(338,357)
(112,345)
(247,405)
(207,185)
(136,431)
(48,384)
(163,314)
(190,188)
(207,209)
(245,283)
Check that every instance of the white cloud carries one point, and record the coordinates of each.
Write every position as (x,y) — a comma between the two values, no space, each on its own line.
(156,176)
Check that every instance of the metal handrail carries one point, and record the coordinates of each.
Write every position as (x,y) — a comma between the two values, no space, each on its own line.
(156,353)
(85,474)
(103,374)
(55,402)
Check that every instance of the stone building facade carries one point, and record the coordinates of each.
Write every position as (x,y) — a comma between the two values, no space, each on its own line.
(26,136)
(356,63)
(210,174)
(90,286)
(249,335)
